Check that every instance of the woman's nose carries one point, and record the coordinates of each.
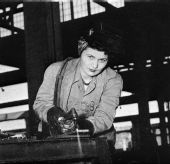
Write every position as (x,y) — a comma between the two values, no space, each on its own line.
(95,64)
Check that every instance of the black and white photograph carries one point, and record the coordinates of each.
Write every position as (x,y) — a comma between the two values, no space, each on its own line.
(85,81)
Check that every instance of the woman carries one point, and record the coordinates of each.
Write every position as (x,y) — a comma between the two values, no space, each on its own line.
(88,86)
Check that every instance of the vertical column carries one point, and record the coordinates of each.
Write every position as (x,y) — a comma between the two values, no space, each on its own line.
(43,46)
(148,143)
(141,51)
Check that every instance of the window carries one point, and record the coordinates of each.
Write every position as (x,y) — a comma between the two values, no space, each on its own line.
(80,8)
(156,130)
(65,11)
(153,106)
(14,112)
(14,93)
(127,110)
(95,8)
(13,125)
(4,32)
(123,135)
(19,20)
(12,118)
(122,126)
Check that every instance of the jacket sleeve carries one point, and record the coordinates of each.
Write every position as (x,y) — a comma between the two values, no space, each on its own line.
(45,96)
(106,110)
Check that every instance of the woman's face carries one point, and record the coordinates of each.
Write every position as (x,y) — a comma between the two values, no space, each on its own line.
(92,62)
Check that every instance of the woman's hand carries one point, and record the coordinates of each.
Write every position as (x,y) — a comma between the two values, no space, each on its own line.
(60,122)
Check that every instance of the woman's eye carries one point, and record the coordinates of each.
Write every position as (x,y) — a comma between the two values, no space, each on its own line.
(103,60)
(91,57)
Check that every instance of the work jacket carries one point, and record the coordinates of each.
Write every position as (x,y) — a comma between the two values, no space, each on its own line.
(97,103)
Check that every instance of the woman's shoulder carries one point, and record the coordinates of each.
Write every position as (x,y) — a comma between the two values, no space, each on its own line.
(57,65)
(113,77)
(54,66)
(111,73)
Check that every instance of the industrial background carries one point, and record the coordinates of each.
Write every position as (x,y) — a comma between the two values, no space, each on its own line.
(35,34)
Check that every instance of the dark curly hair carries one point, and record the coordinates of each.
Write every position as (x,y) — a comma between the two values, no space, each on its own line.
(103,38)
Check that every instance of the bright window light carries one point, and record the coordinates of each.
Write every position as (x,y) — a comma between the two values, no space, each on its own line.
(65,10)
(153,106)
(116,3)
(166,106)
(20,108)
(13,125)
(165,62)
(80,8)
(4,32)
(121,126)
(20,5)
(157,131)
(123,141)
(168,141)
(12,112)
(123,70)
(159,140)
(167,57)
(166,119)
(7,9)
(148,61)
(154,121)
(148,65)
(19,20)
(95,8)
(14,93)
(61,12)
(5,68)
(167,130)
(127,110)
(131,64)
(125,93)
(121,66)
(11,116)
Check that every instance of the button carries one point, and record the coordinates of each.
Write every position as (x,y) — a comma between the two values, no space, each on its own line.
(92,106)
(83,105)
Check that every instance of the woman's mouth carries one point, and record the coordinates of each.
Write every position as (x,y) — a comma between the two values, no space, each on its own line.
(92,70)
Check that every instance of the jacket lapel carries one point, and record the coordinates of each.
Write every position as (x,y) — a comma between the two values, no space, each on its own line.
(91,87)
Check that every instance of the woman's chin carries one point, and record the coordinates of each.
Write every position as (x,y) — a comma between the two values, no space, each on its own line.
(92,74)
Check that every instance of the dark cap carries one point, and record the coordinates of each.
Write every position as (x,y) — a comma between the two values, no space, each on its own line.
(102,37)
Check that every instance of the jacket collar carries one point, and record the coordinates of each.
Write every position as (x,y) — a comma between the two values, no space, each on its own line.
(78,78)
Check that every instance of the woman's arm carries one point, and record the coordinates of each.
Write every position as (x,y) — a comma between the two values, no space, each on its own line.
(45,96)
(105,112)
